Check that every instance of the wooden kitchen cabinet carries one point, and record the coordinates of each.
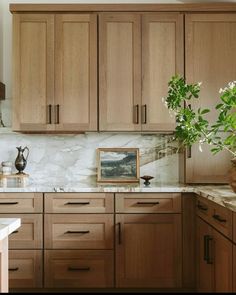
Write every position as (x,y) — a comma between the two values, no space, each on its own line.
(55,72)
(210,58)
(214,246)
(148,250)
(138,55)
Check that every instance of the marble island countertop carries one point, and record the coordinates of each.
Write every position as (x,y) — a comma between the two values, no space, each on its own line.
(221,194)
(8,225)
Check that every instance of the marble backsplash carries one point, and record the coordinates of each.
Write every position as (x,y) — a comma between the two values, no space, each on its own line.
(59,159)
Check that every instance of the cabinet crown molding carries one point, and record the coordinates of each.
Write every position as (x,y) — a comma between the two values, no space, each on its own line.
(189,7)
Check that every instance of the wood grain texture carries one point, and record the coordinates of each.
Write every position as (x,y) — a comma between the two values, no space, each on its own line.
(203,34)
(98,231)
(33,71)
(162,58)
(21,202)
(30,233)
(149,250)
(76,71)
(27,268)
(58,265)
(198,7)
(189,240)
(148,203)
(119,72)
(234,268)
(79,203)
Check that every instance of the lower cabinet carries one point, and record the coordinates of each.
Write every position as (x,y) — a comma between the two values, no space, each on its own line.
(234,268)
(25,269)
(78,268)
(214,259)
(148,250)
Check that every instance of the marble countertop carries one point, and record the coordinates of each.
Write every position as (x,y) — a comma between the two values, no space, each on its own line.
(8,225)
(221,194)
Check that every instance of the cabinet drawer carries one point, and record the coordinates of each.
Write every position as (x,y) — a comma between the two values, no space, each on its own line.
(25,268)
(222,220)
(78,269)
(92,231)
(79,203)
(29,234)
(203,208)
(21,203)
(148,203)
(234,229)
(216,215)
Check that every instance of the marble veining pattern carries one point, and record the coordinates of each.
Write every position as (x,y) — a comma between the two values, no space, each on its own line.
(72,158)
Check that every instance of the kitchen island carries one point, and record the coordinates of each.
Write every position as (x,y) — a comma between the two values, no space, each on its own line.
(7,226)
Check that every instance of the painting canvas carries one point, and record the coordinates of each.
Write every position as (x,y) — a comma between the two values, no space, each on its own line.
(118,165)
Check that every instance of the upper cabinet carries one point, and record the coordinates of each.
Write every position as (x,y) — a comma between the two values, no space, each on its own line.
(55,72)
(138,56)
(210,58)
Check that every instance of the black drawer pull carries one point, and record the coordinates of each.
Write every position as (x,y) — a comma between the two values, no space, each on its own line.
(201,207)
(71,268)
(9,203)
(148,203)
(77,203)
(15,232)
(218,218)
(77,232)
(13,269)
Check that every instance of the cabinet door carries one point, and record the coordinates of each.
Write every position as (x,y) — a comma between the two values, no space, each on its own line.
(234,268)
(148,250)
(210,58)
(205,268)
(33,71)
(223,263)
(162,58)
(76,72)
(119,72)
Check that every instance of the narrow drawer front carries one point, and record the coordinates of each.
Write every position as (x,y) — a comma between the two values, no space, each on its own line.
(63,231)
(21,203)
(29,234)
(234,233)
(25,269)
(78,269)
(222,220)
(79,203)
(203,208)
(148,203)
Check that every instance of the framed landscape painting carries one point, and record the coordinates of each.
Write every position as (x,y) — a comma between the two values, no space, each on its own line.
(118,165)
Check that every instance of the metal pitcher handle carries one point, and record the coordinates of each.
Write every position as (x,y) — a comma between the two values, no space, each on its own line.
(26,148)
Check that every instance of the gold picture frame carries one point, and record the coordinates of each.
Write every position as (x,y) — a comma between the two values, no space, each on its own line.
(118,165)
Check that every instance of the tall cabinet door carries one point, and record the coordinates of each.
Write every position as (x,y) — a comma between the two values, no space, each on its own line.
(205,268)
(162,58)
(148,250)
(76,72)
(33,72)
(210,59)
(119,72)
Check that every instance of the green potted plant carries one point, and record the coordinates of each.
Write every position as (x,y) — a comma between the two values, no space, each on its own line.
(192,125)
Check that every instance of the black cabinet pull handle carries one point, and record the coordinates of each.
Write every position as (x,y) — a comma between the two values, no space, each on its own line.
(144,116)
(49,114)
(13,269)
(136,114)
(209,253)
(9,203)
(15,232)
(77,232)
(77,203)
(57,114)
(218,218)
(119,233)
(148,203)
(71,268)
(201,207)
